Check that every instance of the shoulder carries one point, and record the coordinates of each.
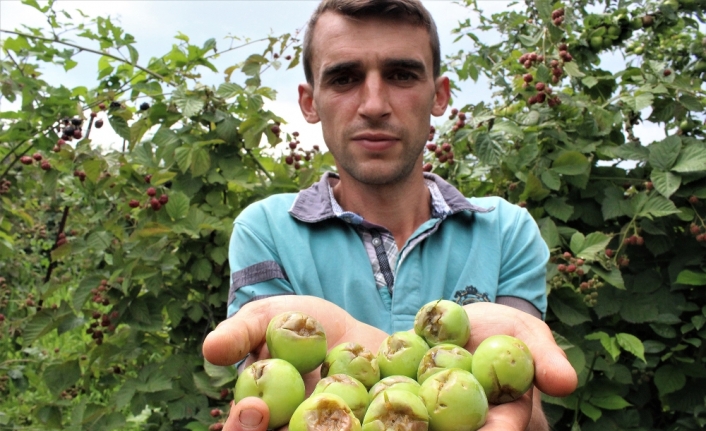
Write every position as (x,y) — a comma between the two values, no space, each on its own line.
(501,209)
(271,209)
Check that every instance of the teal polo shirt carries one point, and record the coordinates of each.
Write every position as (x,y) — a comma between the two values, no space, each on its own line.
(470,250)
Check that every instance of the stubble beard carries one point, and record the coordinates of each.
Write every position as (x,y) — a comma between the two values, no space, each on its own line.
(380,172)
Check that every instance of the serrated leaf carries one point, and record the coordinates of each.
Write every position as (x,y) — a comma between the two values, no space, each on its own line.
(93,169)
(692,278)
(666,183)
(228,90)
(159,178)
(571,163)
(614,277)
(568,308)
(487,149)
(178,205)
(642,101)
(591,411)
(120,127)
(551,179)
(609,343)
(200,162)
(656,206)
(61,376)
(572,69)
(691,103)
(558,208)
(549,232)
(589,81)
(82,292)
(40,324)
(668,379)
(508,127)
(188,105)
(99,241)
(664,153)
(183,158)
(632,344)
(201,269)
(691,159)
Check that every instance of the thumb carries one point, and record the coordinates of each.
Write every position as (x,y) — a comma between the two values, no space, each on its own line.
(250,414)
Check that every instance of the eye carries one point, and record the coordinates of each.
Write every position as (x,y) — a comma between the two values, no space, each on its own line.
(403,76)
(343,80)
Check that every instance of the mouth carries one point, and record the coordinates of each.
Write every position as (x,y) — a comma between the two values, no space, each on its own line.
(375,141)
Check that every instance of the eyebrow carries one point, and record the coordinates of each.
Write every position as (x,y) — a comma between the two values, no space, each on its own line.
(393,63)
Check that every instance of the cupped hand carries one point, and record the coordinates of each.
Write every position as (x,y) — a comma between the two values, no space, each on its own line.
(554,375)
(244,333)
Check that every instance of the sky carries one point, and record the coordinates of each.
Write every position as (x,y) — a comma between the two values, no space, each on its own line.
(155,23)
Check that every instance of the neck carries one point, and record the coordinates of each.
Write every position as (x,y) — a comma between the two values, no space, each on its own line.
(401,207)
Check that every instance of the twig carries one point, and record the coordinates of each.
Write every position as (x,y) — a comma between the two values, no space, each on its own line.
(81,48)
(62,225)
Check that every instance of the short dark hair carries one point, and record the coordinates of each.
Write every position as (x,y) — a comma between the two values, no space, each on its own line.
(408,11)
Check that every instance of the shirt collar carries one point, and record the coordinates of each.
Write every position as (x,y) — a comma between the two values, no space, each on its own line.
(317,203)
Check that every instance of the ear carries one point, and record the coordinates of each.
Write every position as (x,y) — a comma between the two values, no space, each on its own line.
(441,97)
(306,103)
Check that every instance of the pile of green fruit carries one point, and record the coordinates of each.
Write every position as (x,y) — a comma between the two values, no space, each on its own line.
(418,380)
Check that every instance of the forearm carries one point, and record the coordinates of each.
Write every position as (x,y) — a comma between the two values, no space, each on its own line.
(538,422)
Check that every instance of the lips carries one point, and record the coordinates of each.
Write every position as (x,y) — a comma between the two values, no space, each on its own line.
(375,141)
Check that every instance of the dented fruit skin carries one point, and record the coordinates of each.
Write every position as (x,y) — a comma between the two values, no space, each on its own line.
(324,411)
(396,410)
(400,354)
(443,321)
(455,401)
(394,382)
(277,383)
(442,357)
(298,339)
(504,367)
(354,360)
(349,389)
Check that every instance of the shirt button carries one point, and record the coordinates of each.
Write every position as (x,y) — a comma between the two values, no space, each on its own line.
(376,242)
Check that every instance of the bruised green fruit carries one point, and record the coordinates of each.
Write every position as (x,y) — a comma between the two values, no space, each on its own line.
(402,383)
(298,339)
(354,360)
(396,410)
(400,354)
(350,389)
(277,383)
(443,321)
(455,401)
(441,357)
(324,412)
(504,367)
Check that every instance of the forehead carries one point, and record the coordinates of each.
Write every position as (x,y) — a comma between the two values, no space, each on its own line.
(338,38)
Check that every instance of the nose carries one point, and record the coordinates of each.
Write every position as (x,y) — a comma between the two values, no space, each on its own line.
(374,98)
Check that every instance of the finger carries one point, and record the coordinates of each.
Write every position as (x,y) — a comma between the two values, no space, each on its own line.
(514,416)
(554,375)
(249,414)
(237,336)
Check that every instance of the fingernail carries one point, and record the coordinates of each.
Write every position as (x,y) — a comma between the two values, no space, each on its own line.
(250,418)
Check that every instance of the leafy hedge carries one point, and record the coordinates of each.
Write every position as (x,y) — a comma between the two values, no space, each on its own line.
(106,294)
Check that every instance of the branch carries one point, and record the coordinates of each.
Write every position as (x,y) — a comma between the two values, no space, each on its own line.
(62,225)
(114,57)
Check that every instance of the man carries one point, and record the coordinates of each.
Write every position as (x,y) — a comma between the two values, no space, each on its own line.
(365,249)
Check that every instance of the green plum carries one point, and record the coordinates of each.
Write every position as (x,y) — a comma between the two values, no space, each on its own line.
(455,401)
(396,410)
(504,367)
(400,354)
(443,321)
(394,382)
(277,383)
(324,412)
(354,360)
(298,339)
(351,390)
(441,357)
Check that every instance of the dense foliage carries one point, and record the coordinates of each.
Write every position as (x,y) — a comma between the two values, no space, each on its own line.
(113,263)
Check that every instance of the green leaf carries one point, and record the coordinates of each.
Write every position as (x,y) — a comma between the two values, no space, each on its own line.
(219,375)
(61,376)
(488,149)
(614,277)
(120,127)
(544,7)
(591,411)
(666,183)
(40,324)
(632,344)
(668,379)
(609,343)
(99,241)
(571,163)
(691,103)
(610,402)
(551,179)
(189,105)
(572,69)
(692,278)
(558,208)
(691,159)
(228,90)
(568,308)
(201,269)
(178,205)
(534,189)
(183,158)
(159,178)
(664,153)
(642,101)
(656,206)
(549,232)
(589,81)
(200,162)
(83,291)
